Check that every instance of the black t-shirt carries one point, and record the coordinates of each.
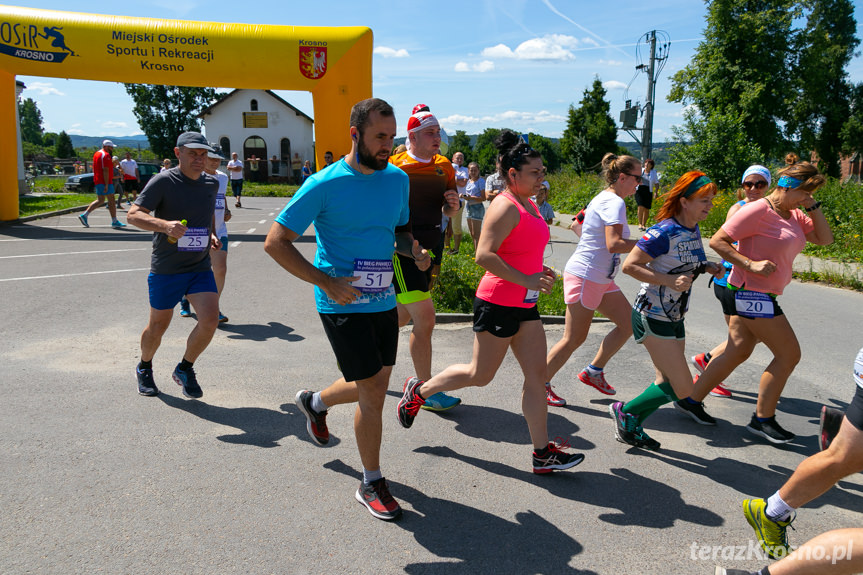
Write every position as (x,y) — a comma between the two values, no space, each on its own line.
(170,195)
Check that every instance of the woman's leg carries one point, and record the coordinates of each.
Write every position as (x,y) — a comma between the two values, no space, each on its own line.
(488,354)
(738,347)
(529,347)
(778,336)
(578,319)
(615,307)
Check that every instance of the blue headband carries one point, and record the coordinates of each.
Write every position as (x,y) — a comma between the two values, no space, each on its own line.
(696,185)
(789,182)
(758,170)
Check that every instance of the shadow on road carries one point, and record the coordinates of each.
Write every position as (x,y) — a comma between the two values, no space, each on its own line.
(479,542)
(259,332)
(259,427)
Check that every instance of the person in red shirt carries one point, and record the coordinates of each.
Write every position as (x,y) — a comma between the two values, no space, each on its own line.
(103,178)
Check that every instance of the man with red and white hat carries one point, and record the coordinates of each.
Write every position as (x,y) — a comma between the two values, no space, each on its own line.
(432,191)
(103,185)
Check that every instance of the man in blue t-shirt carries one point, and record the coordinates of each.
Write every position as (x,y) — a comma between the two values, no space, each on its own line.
(355,205)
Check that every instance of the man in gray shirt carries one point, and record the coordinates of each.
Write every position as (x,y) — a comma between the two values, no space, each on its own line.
(178,205)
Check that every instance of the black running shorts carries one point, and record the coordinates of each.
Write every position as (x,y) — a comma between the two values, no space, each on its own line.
(363,342)
(500,320)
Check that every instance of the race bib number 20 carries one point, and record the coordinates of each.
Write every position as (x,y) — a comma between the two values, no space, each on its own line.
(753,304)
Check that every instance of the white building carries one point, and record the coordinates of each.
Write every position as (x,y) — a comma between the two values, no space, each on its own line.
(260,123)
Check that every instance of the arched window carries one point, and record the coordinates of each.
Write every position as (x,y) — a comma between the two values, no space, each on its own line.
(225,143)
(253,105)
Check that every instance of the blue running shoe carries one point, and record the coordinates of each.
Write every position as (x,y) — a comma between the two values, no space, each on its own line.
(83,219)
(188,381)
(117,225)
(440,402)
(185,311)
(222,318)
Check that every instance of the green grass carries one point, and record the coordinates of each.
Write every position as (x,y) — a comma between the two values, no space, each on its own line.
(256,190)
(34,205)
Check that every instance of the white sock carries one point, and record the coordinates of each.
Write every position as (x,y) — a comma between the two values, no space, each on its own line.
(777,509)
(369,476)
(317,403)
(593,370)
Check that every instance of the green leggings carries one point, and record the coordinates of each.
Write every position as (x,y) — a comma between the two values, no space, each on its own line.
(651,399)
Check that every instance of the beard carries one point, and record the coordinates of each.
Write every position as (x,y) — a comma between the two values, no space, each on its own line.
(369,160)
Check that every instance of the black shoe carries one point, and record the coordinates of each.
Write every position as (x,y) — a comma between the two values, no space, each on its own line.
(828,428)
(695,411)
(410,403)
(644,441)
(187,380)
(316,423)
(770,430)
(555,458)
(377,499)
(146,385)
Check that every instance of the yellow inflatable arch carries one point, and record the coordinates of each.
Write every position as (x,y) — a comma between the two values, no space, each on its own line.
(334,64)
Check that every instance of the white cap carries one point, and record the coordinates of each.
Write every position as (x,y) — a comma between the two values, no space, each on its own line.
(108,143)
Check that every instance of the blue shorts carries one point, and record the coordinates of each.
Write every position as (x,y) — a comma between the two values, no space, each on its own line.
(166,290)
(224,240)
(100,190)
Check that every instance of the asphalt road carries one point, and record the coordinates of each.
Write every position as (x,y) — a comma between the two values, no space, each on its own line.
(96,479)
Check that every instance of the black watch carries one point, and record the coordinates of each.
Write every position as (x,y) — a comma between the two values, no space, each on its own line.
(813,207)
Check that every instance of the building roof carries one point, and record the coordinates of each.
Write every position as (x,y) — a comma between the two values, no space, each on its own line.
(209,109)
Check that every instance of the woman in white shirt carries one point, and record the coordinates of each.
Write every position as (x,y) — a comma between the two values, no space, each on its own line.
(588,279)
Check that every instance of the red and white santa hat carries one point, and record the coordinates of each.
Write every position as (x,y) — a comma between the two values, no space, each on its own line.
(421,121)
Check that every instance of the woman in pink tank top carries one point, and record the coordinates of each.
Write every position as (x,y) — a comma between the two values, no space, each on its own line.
(510,248)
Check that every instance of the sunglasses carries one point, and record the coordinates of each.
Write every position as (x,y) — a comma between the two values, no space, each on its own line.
(757,185)
(637,176)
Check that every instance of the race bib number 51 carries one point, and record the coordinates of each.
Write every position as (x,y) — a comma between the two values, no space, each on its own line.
(375,275)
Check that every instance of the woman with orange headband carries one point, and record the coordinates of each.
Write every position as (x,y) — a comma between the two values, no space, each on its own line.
(769,233)
(667,259)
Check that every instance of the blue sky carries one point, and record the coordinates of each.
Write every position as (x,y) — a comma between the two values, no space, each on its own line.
(477,64)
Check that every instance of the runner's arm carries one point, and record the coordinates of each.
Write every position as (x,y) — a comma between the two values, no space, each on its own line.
(141,218)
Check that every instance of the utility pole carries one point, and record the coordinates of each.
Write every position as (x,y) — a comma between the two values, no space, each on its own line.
(629,116)
(647,131)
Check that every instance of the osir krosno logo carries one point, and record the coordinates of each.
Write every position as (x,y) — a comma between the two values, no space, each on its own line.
(31,42)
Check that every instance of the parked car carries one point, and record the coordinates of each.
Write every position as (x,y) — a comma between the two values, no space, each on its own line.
(83,183)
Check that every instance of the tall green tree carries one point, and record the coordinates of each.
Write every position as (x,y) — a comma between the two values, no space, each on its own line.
(823,49)
(549,150)
(590,130)
(64,148)
(852,131)
(165,112)
(742,68)
(461,143)
(31,121)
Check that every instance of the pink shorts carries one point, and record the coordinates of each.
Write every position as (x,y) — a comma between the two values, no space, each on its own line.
(590,293)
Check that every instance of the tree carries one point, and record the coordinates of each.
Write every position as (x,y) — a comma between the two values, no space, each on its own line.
(461,143)
(590,130)
(165,112)
(823,49)
(741,69)
(549,150)
(716,145)
(63,148)
(852,131)
(484,151)
(31,121)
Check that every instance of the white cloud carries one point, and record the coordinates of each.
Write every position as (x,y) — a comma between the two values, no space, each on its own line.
(499,51)
(611,62)
(387,52)
(44,89)
(484,66)
(510,117)
(549,47)
(614,85)
(75,132)
(114,125)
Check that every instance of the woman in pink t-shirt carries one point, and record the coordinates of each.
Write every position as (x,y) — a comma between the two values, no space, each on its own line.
(770,233)
(505,315)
